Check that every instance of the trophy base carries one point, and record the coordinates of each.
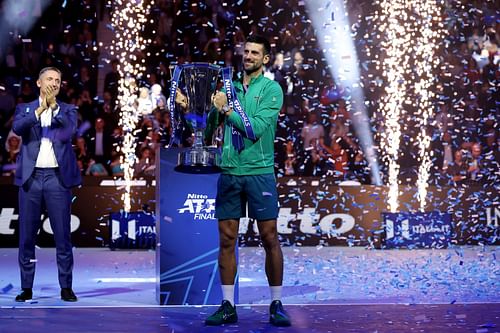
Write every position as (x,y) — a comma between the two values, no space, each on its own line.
(199,160)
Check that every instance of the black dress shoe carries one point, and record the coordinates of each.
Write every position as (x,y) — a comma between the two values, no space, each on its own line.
(25,295)
(68,295)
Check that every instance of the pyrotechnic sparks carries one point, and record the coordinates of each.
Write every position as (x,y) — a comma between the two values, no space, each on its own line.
(128,20)
(408,41)
(430,34)
(331,20)
(396,41)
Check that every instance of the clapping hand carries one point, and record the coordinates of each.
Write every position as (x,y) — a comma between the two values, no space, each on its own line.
(42,107)
(50,96)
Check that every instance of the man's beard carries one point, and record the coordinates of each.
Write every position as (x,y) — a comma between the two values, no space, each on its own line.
(252,69)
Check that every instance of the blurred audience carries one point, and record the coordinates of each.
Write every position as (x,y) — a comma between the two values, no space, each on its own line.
(315,135)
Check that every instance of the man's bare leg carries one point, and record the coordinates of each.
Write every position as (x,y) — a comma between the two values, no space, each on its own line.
(228,236)
(274,256)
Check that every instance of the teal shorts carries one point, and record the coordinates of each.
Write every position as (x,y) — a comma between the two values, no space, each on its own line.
(234,192)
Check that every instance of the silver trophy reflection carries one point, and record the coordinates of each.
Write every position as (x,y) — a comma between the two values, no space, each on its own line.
(198,81)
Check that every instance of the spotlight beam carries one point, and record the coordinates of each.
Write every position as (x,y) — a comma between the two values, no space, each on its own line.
(331,23)
(18,18)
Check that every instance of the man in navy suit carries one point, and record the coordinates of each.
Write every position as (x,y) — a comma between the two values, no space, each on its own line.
(46,172)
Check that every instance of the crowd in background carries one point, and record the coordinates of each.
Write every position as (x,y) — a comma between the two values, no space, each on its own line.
(315,135)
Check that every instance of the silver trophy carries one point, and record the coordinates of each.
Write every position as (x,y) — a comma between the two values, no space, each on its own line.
(198,81)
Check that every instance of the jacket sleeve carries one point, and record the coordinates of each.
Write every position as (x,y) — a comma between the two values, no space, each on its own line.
(213,121)
(24,120)
(267,113)
(65,122)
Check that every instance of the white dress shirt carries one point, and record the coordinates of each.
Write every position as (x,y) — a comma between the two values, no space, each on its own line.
(46,157)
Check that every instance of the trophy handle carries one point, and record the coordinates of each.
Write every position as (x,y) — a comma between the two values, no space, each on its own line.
(176,125)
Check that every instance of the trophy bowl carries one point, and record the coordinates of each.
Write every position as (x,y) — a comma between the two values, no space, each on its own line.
(198,81)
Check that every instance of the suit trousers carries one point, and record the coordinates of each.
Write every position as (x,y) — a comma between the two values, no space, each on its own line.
(44,189)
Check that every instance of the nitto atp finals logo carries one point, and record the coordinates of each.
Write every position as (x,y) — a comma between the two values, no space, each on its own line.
(199,205)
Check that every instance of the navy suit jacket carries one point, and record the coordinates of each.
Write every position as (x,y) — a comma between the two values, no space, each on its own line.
(62,128)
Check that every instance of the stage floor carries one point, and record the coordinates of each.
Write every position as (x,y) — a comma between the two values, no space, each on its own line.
(325,288)
(446,318)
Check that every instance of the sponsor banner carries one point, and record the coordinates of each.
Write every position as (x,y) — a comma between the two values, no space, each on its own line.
(316,212)
(133,230)
(417,230)
(313,212)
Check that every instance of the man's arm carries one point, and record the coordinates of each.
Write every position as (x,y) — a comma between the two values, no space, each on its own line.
(213,121)
(267,113)
(65,121)
(24,120)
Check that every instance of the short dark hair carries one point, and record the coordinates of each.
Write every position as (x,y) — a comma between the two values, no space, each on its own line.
(260,40)
(46,69)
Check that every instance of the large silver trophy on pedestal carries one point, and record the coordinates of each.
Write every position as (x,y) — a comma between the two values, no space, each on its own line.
(198,81)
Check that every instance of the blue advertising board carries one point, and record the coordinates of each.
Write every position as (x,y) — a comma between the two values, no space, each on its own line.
(188,240)
(417,230)
(133,230)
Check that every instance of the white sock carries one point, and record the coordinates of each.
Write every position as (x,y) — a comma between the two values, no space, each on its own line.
(275,293)
(228,293)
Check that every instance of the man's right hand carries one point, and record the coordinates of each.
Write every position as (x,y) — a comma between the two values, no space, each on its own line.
(41,108)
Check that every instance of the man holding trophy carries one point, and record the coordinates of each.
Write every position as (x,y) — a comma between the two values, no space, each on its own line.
(248,108)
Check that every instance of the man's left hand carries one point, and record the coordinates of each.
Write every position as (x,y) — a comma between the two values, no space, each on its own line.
(181,99)
(219,99)
(50,96)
